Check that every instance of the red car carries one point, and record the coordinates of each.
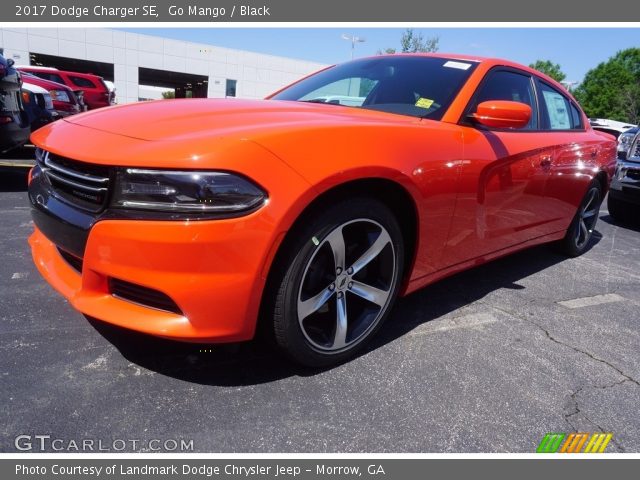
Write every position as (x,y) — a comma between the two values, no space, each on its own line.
(195,219)
(65,101)
(96,93)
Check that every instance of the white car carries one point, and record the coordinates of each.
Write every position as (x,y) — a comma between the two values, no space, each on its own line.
(612,127)
(623,131)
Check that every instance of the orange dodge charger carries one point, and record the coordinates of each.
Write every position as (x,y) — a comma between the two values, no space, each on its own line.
(311,211)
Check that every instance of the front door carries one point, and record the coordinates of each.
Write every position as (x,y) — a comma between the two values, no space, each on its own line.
(502,180)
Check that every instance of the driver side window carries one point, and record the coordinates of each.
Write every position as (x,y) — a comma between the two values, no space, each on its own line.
(511,86)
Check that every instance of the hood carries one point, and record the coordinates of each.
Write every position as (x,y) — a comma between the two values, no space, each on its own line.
(195,118)
(41,82)
(34,88)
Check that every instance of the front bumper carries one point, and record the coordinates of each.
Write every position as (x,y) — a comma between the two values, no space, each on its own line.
(210,269)
(625,184)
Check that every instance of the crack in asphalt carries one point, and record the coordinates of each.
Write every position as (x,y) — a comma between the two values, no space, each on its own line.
(576,410)
(576,392)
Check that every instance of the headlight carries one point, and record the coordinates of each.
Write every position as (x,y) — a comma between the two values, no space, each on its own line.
(624,141)
(190,192)
(60,95)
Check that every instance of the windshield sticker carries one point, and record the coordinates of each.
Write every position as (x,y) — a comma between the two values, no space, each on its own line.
(459,65)
(424,102)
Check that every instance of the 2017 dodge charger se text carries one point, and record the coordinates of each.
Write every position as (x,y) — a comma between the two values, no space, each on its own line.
(196,219)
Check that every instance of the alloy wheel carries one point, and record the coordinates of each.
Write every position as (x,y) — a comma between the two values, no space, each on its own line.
(346,285)
(587,218)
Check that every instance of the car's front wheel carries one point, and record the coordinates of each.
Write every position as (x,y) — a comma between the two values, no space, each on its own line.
(338,281)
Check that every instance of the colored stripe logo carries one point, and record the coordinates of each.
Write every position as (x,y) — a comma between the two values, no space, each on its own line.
(574,443)
(550,443)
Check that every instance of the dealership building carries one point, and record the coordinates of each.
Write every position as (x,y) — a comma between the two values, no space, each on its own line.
(143,66)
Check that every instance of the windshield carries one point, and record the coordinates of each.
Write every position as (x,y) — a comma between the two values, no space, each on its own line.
(407,85)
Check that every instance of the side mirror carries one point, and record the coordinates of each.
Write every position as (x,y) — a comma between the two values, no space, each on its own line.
(10,62)
(502,114)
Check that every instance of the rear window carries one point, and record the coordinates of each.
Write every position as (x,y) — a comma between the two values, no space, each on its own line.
(408,85)
(82,82)
(576,118)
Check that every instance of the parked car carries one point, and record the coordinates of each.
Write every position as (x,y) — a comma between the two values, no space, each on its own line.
(191,219)
(96,93)
(65,101)
(623,131)
(624,142)
(623,201)
(38,105)
(14,124)
(112,90)
(612,127)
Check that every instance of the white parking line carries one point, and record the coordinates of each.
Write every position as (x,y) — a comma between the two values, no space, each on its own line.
(466,321)
(590,301)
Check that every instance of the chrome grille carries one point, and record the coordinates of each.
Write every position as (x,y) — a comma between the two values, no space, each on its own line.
(80,184)
(634,151)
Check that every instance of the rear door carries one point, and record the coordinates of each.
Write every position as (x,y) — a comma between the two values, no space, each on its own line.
(502,182)
(576,152)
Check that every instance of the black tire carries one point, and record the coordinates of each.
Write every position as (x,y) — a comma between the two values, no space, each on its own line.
(309,262)
(618,209)
(580,232)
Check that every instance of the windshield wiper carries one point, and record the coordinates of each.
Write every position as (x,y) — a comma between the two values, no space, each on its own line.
(317,100)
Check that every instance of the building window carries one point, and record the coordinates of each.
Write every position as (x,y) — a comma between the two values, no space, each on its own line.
(231,88)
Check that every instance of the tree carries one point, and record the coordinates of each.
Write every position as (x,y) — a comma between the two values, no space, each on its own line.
(549,68)
(412,42)
(612,89)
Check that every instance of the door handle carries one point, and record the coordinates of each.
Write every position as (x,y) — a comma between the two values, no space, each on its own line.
(545,161)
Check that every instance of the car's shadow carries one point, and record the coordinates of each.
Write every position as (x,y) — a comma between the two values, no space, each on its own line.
(629,224)
(257,362)
(13,179)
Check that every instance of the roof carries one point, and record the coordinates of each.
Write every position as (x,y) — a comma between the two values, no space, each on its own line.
(488,61)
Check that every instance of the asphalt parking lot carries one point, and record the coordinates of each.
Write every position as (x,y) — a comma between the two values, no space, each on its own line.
(487,361)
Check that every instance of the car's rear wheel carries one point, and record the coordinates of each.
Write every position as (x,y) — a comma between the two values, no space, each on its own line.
(580,232)
(338,282)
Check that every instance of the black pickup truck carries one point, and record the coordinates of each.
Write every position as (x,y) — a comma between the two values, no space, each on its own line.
(14,123)
(624,194)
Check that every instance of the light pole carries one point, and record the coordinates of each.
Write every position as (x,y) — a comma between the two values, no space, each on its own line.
(353,39)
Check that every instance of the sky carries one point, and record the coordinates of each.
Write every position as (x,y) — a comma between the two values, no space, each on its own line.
(577,50)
